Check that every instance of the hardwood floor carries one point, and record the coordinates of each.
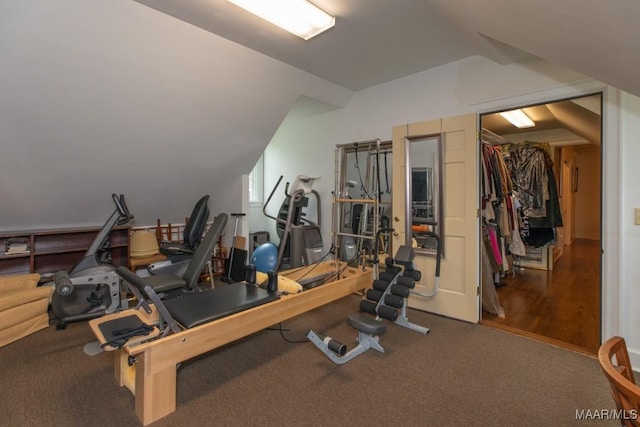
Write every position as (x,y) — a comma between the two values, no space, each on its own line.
(561,306)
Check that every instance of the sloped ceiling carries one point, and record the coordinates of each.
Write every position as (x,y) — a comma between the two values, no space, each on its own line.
(168,100)
(101,97)
(373,41)
(597,38)
(377,41)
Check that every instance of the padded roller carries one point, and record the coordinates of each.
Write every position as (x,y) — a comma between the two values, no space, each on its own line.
(388,313)
(337,347)
(400,290)
(380,285)
(394,301)
(389,262)
(368,307)
(414,274)
(394,269)
(409,282)
(334,345)
(374,295)
(387,276)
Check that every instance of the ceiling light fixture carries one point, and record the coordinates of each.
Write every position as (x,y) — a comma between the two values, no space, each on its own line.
(518,118)
(299,17)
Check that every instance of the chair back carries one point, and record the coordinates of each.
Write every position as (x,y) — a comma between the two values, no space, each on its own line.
(194,228)
(204,251)
(625,392)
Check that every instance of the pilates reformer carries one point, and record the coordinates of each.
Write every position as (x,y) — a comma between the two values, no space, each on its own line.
(385,300)
(193,324)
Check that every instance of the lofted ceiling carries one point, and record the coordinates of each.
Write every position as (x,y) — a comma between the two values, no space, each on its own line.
(377,41)
(151,97)
(372,42)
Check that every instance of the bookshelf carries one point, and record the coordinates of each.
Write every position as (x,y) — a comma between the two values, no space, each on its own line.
(51,250)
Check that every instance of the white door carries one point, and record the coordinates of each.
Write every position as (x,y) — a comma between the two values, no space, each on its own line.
(458,295)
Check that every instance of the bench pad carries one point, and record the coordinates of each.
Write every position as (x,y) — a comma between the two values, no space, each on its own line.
(198,308)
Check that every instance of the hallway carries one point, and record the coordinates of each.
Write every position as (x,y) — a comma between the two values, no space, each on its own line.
(561,306)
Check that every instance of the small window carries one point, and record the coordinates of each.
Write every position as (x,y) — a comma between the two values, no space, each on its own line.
(256,179)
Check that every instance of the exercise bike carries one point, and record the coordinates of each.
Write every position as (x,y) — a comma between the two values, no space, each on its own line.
(92,287)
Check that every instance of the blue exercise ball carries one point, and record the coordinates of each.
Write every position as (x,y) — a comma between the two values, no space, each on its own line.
(265,257)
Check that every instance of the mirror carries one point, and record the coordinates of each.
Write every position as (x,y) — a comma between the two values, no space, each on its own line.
(364,194)
(424,211)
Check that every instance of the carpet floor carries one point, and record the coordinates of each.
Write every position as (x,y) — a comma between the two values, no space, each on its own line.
(460,374)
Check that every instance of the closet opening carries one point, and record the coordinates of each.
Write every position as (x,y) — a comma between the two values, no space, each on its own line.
(541,207)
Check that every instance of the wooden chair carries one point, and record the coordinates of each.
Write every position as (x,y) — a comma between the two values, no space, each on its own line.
(168,232)
(625,392)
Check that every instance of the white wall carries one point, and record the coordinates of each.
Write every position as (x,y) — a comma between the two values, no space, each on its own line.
(306,146)
(113,96)
(479,85)
(630,232)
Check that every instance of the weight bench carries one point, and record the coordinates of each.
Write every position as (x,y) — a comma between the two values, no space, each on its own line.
(386,300)
(369,330)
(148,368)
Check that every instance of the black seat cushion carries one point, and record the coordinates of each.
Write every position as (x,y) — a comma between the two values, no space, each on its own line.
(196,309)
(366,324)
(175,248)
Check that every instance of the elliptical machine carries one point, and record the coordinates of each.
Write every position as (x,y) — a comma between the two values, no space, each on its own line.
(300,238)
(92,287)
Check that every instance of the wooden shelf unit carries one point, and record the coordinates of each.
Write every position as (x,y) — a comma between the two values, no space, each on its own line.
(53,250)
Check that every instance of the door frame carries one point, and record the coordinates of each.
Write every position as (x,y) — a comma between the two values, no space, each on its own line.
(610,323)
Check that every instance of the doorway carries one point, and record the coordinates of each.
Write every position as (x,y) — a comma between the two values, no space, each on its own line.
(550,289)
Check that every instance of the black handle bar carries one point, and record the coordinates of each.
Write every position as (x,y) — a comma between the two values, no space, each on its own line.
(123,210)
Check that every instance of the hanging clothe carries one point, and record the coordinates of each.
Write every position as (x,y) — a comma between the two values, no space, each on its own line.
(519,194)
(527,166)
(531,167)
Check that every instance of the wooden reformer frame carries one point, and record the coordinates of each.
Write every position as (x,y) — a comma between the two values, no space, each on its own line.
(148,369)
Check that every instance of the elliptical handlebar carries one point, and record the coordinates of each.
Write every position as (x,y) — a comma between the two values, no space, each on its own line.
(123,210)
(264,207)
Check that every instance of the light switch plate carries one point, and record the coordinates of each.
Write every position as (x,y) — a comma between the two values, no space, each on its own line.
(637,216)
